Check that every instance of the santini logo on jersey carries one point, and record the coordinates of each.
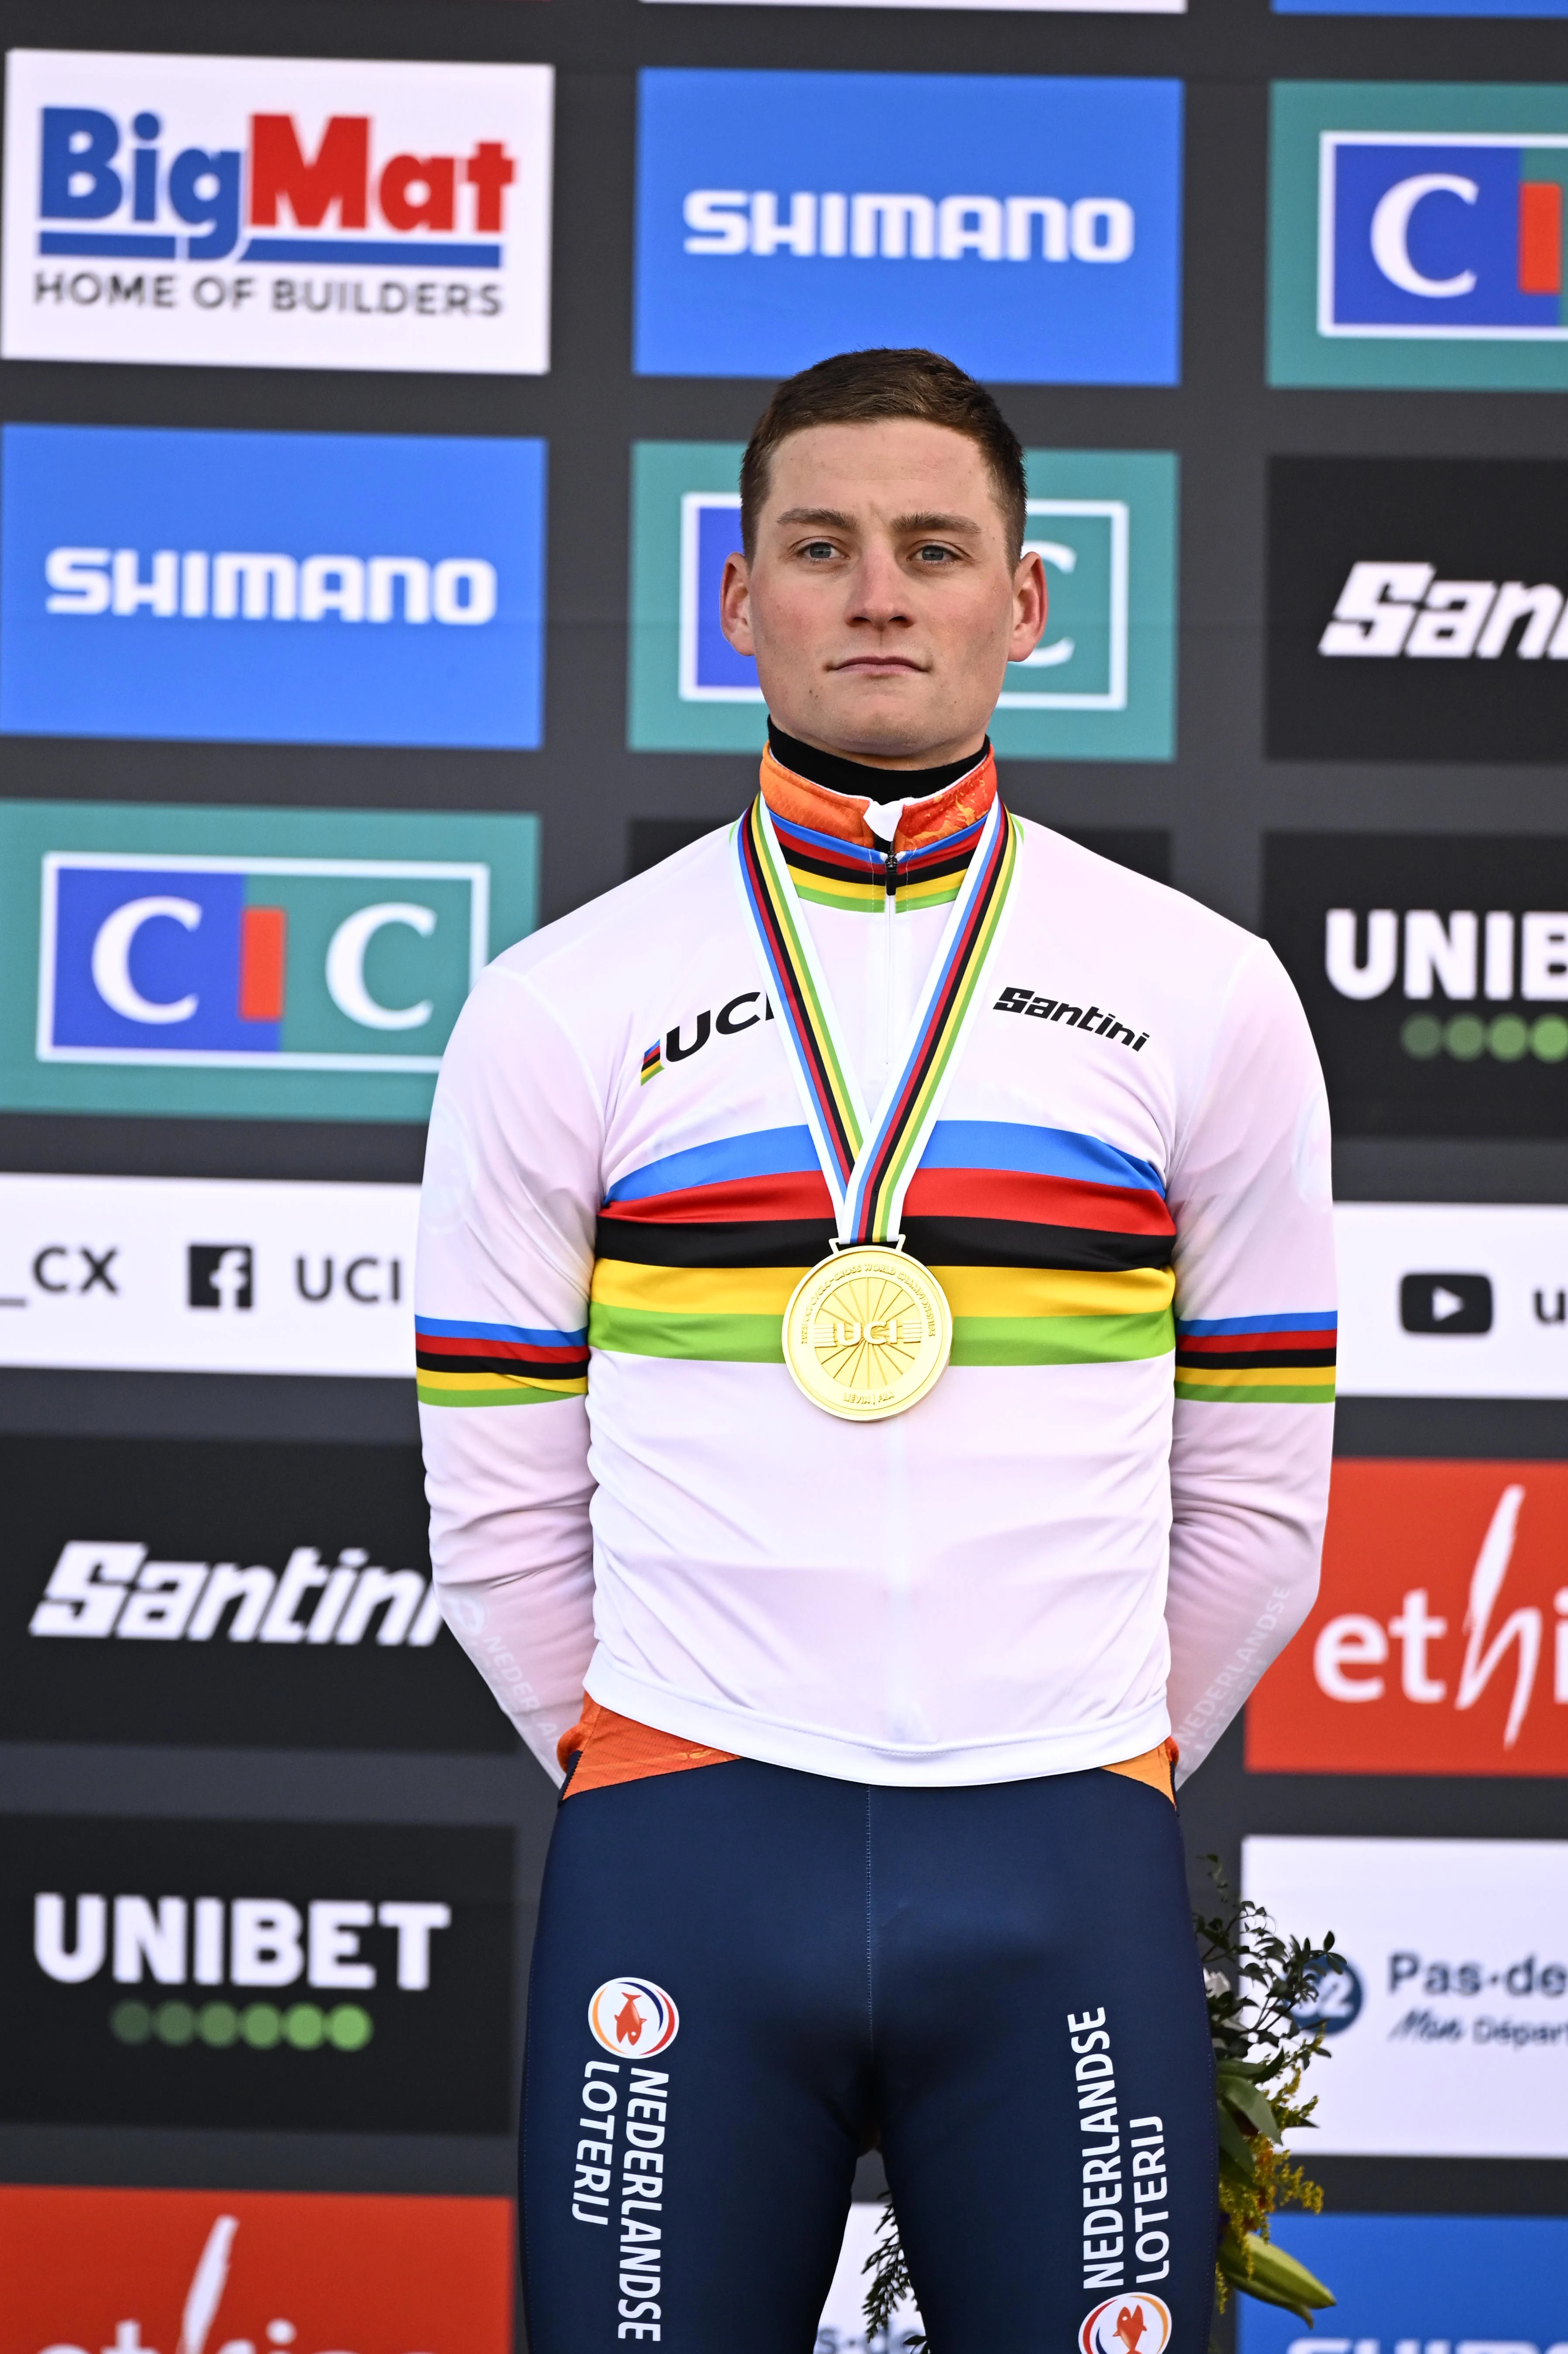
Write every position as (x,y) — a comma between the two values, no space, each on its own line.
(95,169)
(1076,1017)
(724,221)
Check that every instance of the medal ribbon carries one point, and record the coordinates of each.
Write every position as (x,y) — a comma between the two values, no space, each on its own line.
(868,1163)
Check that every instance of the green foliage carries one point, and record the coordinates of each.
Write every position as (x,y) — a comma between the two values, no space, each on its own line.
(1257,1985)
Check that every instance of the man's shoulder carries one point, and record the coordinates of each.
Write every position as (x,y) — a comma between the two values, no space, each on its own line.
(617,932)
(1083,887)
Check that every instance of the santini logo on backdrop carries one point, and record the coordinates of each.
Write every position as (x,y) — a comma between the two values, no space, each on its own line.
(1387,610)
(909,227)
(97,1590)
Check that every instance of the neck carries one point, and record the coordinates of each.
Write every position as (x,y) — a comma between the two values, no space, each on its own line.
(838,775)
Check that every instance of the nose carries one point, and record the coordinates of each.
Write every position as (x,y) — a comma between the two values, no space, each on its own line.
(879,593)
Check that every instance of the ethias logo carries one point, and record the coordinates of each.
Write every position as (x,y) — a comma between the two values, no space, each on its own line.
(165,207)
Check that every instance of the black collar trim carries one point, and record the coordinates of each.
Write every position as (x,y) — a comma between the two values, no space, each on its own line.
(841,776)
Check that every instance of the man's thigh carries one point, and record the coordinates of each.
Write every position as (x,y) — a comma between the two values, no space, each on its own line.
(695,2080)
(1044,2073)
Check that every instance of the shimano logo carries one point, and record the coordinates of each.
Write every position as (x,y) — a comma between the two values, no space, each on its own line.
(1387,611)
(864,228)
(196,585)
(99,1590)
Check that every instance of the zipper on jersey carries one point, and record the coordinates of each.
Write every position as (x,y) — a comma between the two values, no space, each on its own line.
(890,955)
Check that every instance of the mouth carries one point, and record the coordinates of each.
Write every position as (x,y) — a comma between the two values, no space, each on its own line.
(881,666)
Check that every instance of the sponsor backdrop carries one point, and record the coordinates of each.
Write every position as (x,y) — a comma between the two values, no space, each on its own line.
(373,386)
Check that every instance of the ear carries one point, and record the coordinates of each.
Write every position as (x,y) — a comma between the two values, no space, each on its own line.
(735,604)
(1029,604)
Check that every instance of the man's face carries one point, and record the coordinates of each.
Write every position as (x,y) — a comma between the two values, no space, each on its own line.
(883,605)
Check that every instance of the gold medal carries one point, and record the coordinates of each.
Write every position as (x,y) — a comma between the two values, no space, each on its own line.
(868,1332)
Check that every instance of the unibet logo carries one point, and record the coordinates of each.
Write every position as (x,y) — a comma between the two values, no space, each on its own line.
(1385,611)
(238,1943)
(310,964)
(1492,955)
(99,1589)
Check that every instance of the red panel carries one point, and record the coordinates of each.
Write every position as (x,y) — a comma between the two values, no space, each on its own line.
(263,941)
(87,2269)
(1540,237)
(1439,1641)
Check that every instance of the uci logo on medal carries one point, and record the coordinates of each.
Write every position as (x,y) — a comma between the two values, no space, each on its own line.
(1139,2324)
(633,2016)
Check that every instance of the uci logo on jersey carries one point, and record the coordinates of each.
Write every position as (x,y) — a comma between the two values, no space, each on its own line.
(1451,237)
(266,211)
(307,964)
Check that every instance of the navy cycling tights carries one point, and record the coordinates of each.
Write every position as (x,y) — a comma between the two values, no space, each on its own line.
(746,1976)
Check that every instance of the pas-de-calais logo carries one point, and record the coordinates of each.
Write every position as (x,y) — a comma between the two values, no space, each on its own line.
(305,963)
(277,212)
(1453,236)
(1127,2324)
(632,2017)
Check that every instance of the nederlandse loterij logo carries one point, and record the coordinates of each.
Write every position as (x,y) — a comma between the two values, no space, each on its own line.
(291,962)
(1417,235)
(1132,2324)
(633,2016)
(271,587)
(277,212)
(1029,226)
(1100,684)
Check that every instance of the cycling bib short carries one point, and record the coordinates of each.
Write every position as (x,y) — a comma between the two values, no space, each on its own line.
(745,1974)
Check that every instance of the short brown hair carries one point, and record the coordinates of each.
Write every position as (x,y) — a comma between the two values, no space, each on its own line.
(858,388)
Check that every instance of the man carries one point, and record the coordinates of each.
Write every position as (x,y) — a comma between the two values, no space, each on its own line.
(895,1243)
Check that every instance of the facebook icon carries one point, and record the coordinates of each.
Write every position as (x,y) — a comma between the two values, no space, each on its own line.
(220,1274)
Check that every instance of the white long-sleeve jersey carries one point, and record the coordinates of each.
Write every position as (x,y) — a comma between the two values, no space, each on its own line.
(1103,1520)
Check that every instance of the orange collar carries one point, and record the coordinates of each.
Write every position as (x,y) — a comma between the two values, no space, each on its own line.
(932,820)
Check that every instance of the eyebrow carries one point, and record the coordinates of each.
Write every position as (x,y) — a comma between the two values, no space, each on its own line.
(830,518)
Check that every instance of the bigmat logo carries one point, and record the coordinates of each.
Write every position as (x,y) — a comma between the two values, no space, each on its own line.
(1101,684)
(124,1273)
(201,2270)
(1438,1643)
(247,1596)
(1031,227)
(1449,2029)
(277,212)
(282,1977)
(1417,609)
(1434,968)
(271,587)
(266,963)
(1457,2280)
(1417,234)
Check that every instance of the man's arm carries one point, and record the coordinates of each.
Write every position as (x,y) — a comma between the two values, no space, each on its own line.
(506,1223)
(1250,1193)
